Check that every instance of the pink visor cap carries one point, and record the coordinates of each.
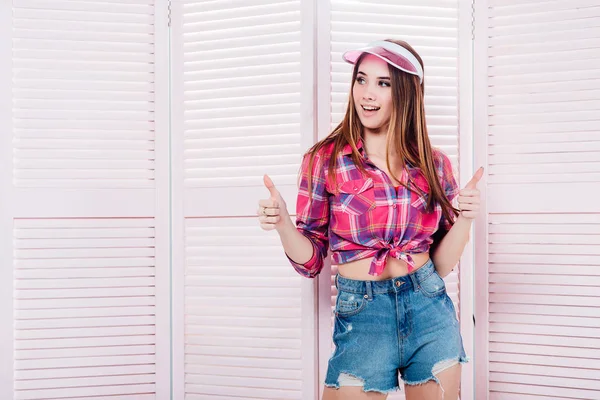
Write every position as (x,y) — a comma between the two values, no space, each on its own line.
(392,53)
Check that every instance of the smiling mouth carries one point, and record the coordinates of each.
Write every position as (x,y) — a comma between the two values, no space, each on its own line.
(370,108)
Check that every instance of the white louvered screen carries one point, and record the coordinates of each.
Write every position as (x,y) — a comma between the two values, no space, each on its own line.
(243,97)
(544,327)
(84,189)
(84,308)
(243,313)
(83,90)
(543,96)
(432,29)
(242,76)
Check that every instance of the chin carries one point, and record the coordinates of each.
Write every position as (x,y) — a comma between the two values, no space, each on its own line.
(372,126)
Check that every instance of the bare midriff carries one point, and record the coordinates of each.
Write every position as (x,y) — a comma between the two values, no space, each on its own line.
(359,269)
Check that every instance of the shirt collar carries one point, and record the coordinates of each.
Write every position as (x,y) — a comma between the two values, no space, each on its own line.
(348,149)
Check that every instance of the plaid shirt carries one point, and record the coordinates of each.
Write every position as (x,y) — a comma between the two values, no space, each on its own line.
(369,216)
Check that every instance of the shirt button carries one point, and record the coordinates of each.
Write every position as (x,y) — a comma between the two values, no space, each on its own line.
(355,188)
(394,206)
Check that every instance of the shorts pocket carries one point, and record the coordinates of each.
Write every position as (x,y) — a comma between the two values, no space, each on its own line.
(348,304)
(357,196)
(433,285)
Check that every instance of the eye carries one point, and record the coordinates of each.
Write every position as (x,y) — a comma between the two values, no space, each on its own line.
(384,83)
(360,80)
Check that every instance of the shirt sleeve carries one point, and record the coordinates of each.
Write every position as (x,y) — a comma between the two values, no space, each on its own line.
(312,215)
(449,184)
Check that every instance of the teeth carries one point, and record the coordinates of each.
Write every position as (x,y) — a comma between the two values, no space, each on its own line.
(369,108)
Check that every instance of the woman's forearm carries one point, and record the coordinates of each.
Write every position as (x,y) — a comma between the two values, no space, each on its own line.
(451,247)
(297,246)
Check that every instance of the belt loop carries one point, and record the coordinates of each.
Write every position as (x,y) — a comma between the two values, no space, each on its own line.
(369,287)
(415,281)
(336,280)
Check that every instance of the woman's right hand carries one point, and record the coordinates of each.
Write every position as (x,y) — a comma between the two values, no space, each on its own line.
(272,212)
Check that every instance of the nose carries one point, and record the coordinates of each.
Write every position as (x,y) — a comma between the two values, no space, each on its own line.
(369,92)
(368,95)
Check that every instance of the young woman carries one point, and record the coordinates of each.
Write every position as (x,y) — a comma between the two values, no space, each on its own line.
(379,196)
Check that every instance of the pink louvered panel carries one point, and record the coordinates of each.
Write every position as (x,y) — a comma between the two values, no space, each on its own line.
(242,107)
(83,227)
(544,181)
(84,311)
(243,313)
(432,28)
(544,305)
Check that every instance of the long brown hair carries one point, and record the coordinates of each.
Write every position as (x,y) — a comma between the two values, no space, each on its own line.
(407,132)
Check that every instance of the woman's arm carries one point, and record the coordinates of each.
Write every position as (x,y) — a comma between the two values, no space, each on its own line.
(295,244)
(306,244)
(450,248)
(297,247)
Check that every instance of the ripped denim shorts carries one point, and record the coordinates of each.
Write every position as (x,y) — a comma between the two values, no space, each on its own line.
(403,325)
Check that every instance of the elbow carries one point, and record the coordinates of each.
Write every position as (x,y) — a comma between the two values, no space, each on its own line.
(443,266)
(309,273)
(312,267)
(445,269)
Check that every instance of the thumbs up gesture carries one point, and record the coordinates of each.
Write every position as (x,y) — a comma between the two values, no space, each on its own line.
(468,198)
(272,212)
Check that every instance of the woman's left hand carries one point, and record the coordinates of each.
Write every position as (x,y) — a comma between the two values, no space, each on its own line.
(469,199)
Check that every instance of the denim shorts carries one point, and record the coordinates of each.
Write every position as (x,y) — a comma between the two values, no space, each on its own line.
(403,325)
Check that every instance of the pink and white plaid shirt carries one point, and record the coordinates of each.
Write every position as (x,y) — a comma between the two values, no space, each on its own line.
(369,217)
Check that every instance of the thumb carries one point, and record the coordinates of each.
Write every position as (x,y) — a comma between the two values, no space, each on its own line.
(271,186)
(472,184)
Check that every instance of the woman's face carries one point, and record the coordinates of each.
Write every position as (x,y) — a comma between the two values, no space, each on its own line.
(372,93)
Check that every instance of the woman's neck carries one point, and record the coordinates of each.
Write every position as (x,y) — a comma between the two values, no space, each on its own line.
(375,145)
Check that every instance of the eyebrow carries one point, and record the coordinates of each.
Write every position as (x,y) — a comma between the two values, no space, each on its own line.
(381,77)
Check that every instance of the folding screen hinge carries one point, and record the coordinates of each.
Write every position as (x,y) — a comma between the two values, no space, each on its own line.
(473,20)
(169,7)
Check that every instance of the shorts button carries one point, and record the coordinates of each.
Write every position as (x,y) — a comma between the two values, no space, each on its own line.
(398,283)
(366,296)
